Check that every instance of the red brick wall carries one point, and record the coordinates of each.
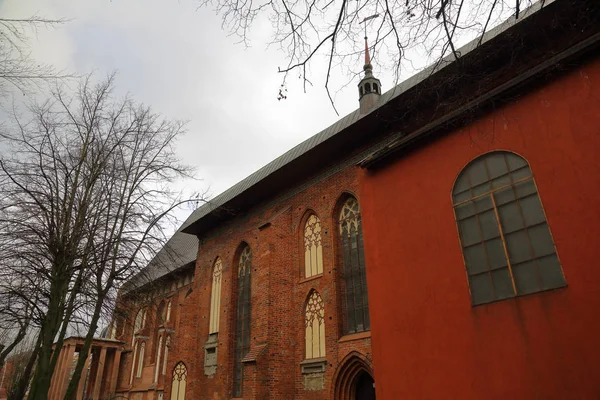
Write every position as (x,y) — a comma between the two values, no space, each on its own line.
(428,342)
(278,296)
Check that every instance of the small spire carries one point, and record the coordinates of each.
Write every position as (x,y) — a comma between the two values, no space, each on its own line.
(367,57)
(368,67)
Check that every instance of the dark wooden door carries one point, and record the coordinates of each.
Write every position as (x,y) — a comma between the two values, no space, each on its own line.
(365,387)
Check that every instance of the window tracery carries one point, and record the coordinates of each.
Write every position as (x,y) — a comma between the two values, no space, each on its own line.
(313,248)
(314,321)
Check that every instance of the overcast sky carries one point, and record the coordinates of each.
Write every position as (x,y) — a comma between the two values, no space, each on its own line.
(175,57)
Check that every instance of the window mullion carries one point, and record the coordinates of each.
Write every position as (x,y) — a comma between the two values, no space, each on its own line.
(512,278)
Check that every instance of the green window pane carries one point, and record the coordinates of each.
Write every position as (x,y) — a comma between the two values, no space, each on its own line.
(517,245)
(481,189)
(504,196)
(461,184)
(514,161)
(481,289)
(465,210)
(532,210)
(489,226)
(541,241)
(475,259)
(495,253)
(460,197)
(550,272)
(469,231)
(520,174)
(483,203)
(501,181)
(525,188)
(496,164)
(525,278)
(510,217)
(477,172)
(502,284)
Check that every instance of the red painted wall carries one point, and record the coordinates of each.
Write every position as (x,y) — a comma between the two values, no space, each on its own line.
(428,341)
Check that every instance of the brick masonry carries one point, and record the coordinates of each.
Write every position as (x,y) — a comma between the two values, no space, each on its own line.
(278,295)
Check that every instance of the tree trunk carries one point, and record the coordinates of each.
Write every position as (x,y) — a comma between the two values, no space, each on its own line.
(43,371)
(21,386)
(85,349)
(4,352)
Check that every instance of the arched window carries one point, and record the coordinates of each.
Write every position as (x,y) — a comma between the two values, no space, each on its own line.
(161,313)
(179,382)
(506,242)
(242,326)
(169,311)
(354,274)
(313,249)
(166,357)
(158,353)
(215,296)
(133,359)
(375,88)
(140,364)
(139,320)
(367,87)
(314,321)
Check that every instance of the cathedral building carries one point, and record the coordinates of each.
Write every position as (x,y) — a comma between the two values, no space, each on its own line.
(436,243)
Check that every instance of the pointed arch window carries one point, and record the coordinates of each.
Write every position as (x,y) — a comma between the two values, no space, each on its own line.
(506,242)
(161,313)
(313,248)
(314,321)
(168,316)
(140,364)
(140,319)
(166,356)
(179,382)
(242,327)
(133,359)
(158,354)
(215,297)
(354,273)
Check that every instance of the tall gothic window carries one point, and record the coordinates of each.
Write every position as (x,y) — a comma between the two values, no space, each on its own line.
(506,242)
(161,313)
(158,353)
(166,356)
(140,365)
(354,274)
(139,320)
(168,317)
(179,382)
(314,321)
(242,326)
(215,296)
(313,249)
(133,358)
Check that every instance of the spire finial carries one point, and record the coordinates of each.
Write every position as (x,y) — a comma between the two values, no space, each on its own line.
(367,56)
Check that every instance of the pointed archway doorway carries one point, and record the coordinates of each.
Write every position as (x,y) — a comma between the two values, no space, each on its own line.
(353,379)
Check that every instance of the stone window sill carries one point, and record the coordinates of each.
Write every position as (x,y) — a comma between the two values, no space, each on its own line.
(312,278)
(355,336)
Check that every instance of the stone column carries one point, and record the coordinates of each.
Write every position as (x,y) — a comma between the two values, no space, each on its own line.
(99,372)
(112,385)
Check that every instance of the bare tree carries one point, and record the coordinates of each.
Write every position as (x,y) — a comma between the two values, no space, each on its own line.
(18,69)
(86,184)
(401,31)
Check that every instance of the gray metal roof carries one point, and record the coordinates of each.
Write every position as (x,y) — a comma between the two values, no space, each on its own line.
(182,248)
(346,121)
